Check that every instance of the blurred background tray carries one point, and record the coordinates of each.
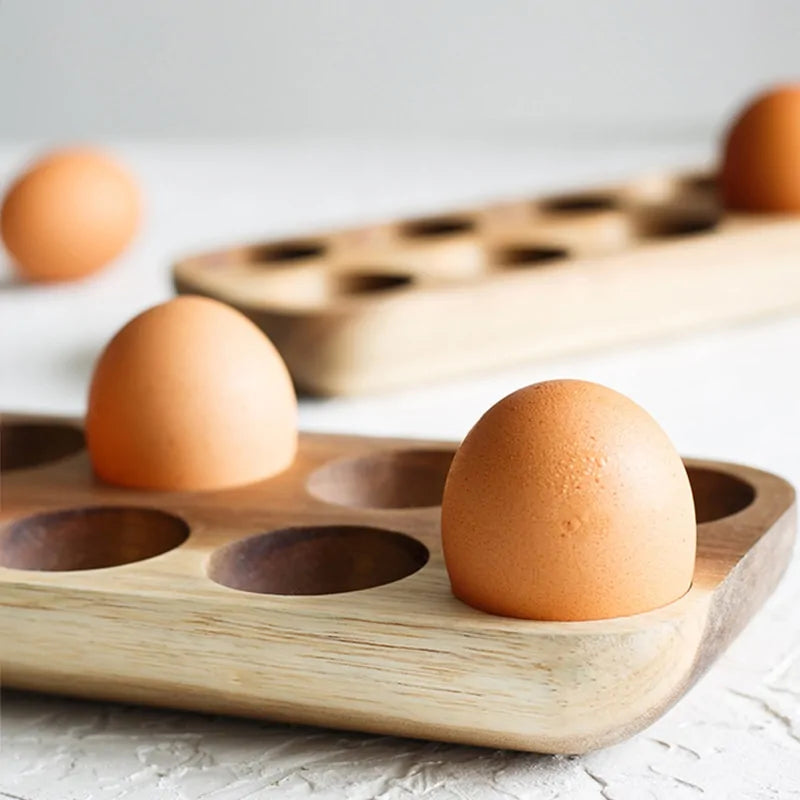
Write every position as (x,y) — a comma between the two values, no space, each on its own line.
(404,302)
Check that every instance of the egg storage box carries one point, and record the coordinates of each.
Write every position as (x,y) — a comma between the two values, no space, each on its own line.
(402,302)
(320,596)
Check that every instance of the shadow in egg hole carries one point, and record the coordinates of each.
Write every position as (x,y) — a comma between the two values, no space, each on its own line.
(521,256)
(435,227)
(363,282)
(671,223)
(316,287)
(286,252)
(29,444)
(717,494)
(580,204)
(390,479)
(317,560)
(89,538)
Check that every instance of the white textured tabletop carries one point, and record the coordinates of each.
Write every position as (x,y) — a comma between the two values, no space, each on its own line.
(728,394)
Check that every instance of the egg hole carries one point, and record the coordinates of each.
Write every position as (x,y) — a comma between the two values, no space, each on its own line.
(275,254)
(317,287)
(358,283)
(718,494)
(390,479)
(432,227)
(672,224)
(89,538)
(286,251)
(25,445)
(588,203)
(317,560)
(530,256)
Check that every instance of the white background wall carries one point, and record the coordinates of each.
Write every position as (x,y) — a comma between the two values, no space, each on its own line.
(255,68)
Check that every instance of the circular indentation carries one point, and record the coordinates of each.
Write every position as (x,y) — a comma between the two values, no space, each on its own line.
(317,560)
(89,538)
(390,479)
(288,250)
(718,494)
(362,282)
(584,203)
(30,444)
(670,223)
(431,227)
(530,255)
(315,287)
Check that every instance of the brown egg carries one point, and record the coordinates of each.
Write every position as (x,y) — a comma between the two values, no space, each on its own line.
(68,215)
(761,158)
(567,501)
(190,395)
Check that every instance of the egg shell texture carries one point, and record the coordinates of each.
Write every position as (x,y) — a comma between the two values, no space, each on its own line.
(190,395)
(567,501)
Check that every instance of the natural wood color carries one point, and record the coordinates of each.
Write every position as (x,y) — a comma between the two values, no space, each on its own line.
(401,658)
(653,256)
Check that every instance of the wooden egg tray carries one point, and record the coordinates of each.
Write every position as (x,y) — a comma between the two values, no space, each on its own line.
(402,302)
(320,597)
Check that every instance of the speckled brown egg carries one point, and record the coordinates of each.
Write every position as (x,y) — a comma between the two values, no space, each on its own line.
(567,501)
(190,395)
(69,214)
(760,169)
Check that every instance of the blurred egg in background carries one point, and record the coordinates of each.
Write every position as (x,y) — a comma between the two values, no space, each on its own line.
(69,214)
(760,169)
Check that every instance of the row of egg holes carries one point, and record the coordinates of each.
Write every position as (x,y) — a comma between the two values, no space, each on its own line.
(324,559)
(617,226)
(292,561)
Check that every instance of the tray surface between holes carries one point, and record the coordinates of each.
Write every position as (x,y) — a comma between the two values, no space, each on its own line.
(401,658)
(417,299)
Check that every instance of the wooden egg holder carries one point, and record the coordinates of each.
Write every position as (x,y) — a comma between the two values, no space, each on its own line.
(402,302)
(320,597)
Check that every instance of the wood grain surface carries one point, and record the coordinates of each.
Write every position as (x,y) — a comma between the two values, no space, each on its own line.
(159,598)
